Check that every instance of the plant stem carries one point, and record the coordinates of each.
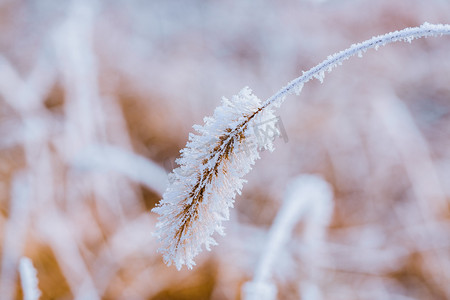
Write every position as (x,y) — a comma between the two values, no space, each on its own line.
(407,35)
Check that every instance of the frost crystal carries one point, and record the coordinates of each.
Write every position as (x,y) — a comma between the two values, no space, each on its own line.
(298,89)
(203,188)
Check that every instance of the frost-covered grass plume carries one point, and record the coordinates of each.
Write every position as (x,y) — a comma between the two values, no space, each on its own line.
(196,203)
(211,167)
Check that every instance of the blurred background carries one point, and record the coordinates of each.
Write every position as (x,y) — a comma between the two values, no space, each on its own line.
(98,97)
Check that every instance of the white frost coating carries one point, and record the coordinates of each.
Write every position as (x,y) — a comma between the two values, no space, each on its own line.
(332,61)
(28,279)
(307,196)
(203,188)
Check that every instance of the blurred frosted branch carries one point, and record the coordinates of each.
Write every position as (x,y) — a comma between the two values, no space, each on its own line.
(414,152)
(85,109)
(26,97)
(136,167)
(73,42)
(65,245)
(115,254)
(425,182)
(29,280)
(307,197)
(15,232)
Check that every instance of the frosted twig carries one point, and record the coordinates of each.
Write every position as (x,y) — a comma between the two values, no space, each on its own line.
(111,158)
(332,61)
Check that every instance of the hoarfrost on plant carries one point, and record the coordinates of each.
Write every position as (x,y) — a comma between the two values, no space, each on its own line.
(211,167)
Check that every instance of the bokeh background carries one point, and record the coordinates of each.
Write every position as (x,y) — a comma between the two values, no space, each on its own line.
(98,97)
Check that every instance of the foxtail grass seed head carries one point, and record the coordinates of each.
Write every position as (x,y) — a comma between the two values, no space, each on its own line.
(211,167)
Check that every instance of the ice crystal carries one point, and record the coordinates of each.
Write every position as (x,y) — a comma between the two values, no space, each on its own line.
(298,89)
(211,167)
